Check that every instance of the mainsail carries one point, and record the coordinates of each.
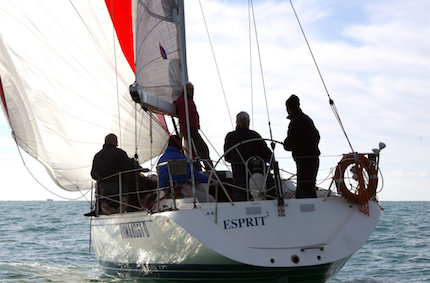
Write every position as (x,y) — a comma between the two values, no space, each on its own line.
(65,69)
(158,55)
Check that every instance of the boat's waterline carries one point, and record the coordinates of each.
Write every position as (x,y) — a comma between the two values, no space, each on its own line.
(225,272)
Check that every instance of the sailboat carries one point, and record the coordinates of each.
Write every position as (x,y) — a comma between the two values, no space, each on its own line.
(73,71)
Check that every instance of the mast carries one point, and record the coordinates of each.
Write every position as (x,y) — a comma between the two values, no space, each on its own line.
(184,80)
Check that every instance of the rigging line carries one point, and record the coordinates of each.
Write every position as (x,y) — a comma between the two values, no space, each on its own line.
(309,47)
(261,69)
(332,104)
(116,78)
(250,62)
(116,68)
(150,139)
(213,147)
(138,130)
(154,118)
(135,133)
(216,64)
(336,114)
(40,183)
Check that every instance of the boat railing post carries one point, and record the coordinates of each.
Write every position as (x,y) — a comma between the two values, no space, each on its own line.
(158,186)
(120,193)
(96,195)
(211,170)
(216,203)
(328,193)
(279,192)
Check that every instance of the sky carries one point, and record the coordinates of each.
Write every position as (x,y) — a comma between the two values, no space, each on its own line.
(374,59)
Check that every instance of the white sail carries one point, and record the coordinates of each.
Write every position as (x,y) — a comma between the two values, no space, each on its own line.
(65,72)
(158,53)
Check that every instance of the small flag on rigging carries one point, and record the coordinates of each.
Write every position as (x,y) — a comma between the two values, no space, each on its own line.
(163,52)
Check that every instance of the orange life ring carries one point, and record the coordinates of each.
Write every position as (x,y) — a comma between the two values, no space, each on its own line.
(366,189)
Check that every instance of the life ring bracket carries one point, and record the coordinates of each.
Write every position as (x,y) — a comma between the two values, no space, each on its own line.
(365,173)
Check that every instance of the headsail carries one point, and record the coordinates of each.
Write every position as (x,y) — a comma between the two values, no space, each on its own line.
(65,78)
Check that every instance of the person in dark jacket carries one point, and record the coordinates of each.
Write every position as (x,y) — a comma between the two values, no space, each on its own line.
(106,164)
(302,140)
(173,152)
(202,149)
(254,148)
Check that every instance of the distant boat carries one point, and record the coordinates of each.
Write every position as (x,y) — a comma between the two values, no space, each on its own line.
(65,71)
(49,199)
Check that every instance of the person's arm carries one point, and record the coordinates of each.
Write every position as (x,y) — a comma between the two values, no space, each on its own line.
(264,150)
(126,163)
(200,177)
(291,139)
(227,146)
(93,172)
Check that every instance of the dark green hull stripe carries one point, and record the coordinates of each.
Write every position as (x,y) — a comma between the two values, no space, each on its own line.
(225,272)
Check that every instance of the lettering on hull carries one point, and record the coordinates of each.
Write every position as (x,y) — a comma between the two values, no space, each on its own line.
(134,230)
(244,222)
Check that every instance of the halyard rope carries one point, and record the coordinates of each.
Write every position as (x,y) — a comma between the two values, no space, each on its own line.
(261,67)
(216,64)
(332,104)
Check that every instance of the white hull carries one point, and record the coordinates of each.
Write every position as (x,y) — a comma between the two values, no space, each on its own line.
(318,234)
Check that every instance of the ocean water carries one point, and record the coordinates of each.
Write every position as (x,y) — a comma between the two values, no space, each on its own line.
(48,241)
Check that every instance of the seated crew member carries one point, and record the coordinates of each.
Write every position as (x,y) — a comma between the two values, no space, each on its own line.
(109,161)
(254,148)
(173,152)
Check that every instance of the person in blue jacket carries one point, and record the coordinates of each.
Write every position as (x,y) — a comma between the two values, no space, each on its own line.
(173,152)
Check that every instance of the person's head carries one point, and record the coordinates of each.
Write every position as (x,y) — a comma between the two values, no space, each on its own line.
(292,104)
(111,139)
(242,120)
(175,141)
(190,89)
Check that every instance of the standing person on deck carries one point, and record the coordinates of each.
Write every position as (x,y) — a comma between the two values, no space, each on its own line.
(202,149)
(302,140)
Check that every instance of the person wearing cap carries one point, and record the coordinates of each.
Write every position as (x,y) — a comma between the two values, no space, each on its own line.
(246,150)
(302,140)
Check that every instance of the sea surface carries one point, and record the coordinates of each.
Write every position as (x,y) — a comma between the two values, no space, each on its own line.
(48,241)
